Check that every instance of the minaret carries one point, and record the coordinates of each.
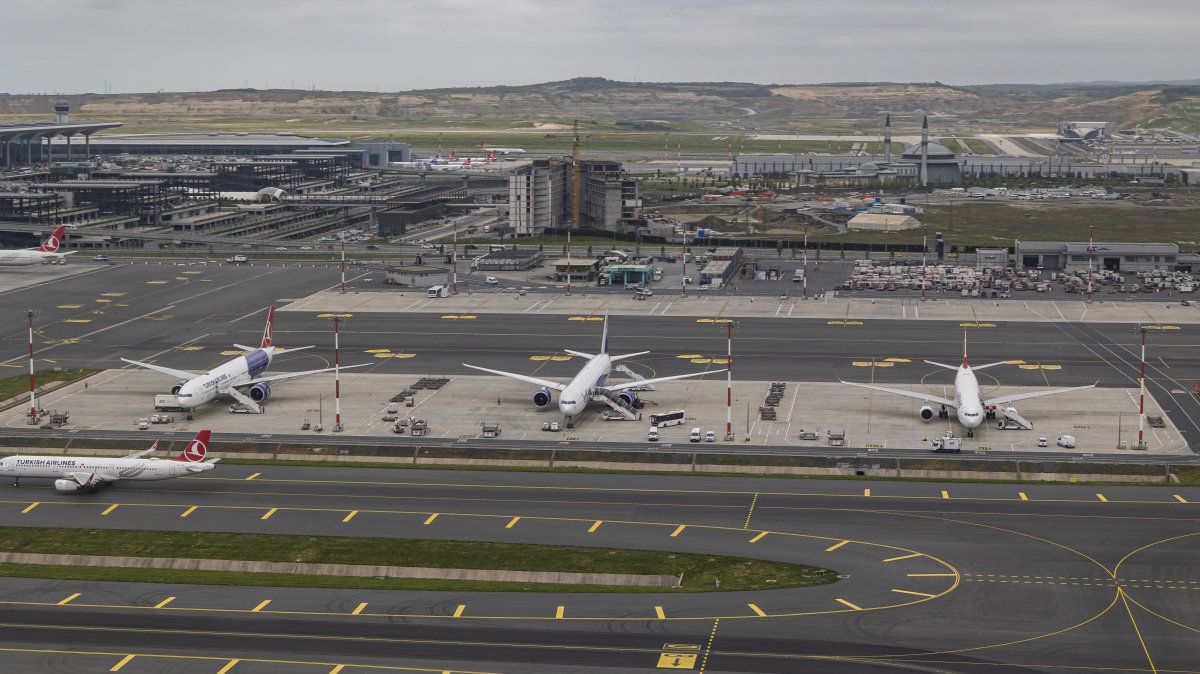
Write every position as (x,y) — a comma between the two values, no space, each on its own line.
(925,152)
(887,140)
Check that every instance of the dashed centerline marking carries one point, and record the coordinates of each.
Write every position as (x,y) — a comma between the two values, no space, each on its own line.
(659,613)
(350,516)
(945,494)
(164,602)
(261,606)
(678,530)
(761,613)
(512,522)
(595,526)
(1023,496)
(189,511)
(930,575)
(68,600)
(459,610)
(269,513)
(256,474)
(431,518)
(867,491)
(835,546)
(35,504)
(559,611)
(896,559)
(336,669)
(759,537)
(1177,498)
(110,509)
(1101,497)
(843,602)
(124,661)
(359,609)
(228,666)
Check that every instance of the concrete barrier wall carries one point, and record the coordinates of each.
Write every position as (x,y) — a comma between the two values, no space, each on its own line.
(357,571)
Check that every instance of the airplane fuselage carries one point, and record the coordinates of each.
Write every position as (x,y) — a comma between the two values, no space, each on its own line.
(55,467)
(968,404)
(237,372)
(578,393)
(24,258)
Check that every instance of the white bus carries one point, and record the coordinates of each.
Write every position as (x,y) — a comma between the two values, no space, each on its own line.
(438,291)
(672,418)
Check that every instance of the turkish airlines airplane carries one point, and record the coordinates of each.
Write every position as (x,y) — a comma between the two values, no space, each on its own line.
(90,473)
(502,150)
(228,378)
(589,385)
(968,403)
(47,253)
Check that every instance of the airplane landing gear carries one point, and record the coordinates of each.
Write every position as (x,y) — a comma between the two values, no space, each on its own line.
(16,482)
(943,413)
(970,432)
(569,423)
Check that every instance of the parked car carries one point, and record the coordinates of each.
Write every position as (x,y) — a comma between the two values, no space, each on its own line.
(101,258)
(491,280)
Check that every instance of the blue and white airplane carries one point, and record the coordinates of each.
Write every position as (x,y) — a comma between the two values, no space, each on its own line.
(591,382)
(243,372)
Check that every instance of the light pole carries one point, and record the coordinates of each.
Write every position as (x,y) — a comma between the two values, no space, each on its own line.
(683,278)
(805,262)
(33,415)
(1141,443)
(343,267)
(924,257)
(729,327)
(337,374)
(1091,254)
(454,261)
(570,269)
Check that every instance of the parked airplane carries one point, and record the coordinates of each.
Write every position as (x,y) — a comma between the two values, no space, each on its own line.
(47,253)
(502,150)
(242,372)
(90,473)
(589,384)
(968,403)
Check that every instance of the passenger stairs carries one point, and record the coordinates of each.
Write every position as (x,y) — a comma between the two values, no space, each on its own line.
(634,376)
(619,406)
(1012,421)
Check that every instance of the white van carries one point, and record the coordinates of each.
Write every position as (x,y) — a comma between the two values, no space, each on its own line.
(695,436)
(652,434)
(1067,441)
(710,437)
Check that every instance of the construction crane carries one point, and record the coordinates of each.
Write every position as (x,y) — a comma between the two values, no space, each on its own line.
(575,175)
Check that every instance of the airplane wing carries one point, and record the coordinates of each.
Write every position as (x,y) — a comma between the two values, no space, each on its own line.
(182,374)
(85,479)
(642,382)
(520,377)
(293,375)
(915,395)
(144,452)
(1005,400)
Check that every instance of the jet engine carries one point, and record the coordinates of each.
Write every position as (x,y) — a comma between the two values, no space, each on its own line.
(628,397)
(926,413)
(260,392)
(73,487)
(542,398)
(175,389)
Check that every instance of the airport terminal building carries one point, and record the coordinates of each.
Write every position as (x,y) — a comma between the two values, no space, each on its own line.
(1124,257)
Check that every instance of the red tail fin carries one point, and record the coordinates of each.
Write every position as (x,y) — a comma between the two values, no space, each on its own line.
(452,153)
(53,242)
(266,340)
(964,347)
(197,449)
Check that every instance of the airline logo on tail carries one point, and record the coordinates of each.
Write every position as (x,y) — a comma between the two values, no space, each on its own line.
(197,449)
(266,340)
(53,242)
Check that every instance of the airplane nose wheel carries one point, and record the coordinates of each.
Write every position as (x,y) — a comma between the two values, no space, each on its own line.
(970,432)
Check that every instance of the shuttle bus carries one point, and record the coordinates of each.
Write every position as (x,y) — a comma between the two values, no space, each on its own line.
(672,418)
(438,291)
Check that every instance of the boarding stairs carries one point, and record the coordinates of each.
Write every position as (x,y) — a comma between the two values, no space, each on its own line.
(634,376)
(619,406)
(1011,421)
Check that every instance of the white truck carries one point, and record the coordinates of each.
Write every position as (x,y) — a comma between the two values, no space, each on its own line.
(948,444)
(237,259)
(166,402)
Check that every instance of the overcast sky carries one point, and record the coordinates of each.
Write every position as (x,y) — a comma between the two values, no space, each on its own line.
(76,46)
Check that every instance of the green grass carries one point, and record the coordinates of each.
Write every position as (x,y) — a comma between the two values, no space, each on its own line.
(18,384)
(699,571)
(977,146)
(1189,476)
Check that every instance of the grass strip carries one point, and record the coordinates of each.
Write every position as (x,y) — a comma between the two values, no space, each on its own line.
(19,384)
(699,571)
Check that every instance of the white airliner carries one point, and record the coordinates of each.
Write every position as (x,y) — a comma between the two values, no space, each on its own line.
(589,384)
(90,473)
(968,403)
(241,372)
(502,150)
(47,253)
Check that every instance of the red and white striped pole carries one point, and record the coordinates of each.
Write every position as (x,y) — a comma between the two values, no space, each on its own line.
(337,378)
(1142,397)
(32,385)
(806,263)
(343,267)
(729,381)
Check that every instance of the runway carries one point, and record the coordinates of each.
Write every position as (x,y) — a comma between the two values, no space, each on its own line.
(941,577)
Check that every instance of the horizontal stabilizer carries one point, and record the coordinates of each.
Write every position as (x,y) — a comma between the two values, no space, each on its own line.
(581,354)
(984,367)
(629,355)
(948,367)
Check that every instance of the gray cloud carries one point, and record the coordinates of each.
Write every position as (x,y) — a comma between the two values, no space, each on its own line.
(73,46)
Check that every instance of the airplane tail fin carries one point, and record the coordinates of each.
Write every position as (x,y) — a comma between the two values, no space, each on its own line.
(964,347)
(604,336)
(197,449)
(266,339)
(452,154)
(53,242)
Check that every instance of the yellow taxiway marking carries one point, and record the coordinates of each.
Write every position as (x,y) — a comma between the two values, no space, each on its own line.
(359,609)
(585,318)
(70,306)
(77,320)
(1014,362)
(867,491)
(835,546)
(1040,367)
(396,355)
(919,594)
(897,360)
(678,530)
(1162,327)
(233,352)
(1023,496)
(270,512)
(843,322)
(871,363)
(670,660)
(228,666)
(1177,498)
(559,611)
(540,359)
(595,526)
(124,661)
(110,508)
(69,599)
(164,602)
(35,504)
(189,511)
(431,518)
(512,522)
(191,347)
(458,611)
(334,315)
(261,605)
(336,669)
(156,283)
(659,613)
(253,476)
(759,537)
(112,294)
(713,320)
(376,350)
(931,575)
(843,602)
(945,494)
(896,559)
(976,325)
(1101,497)
(689,356)
(754,607)
(461,317)
(350,516)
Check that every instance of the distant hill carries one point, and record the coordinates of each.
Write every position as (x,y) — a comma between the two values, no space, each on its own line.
(601,103)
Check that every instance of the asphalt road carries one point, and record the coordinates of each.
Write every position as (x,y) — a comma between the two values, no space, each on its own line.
(941,577)
(185,316)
